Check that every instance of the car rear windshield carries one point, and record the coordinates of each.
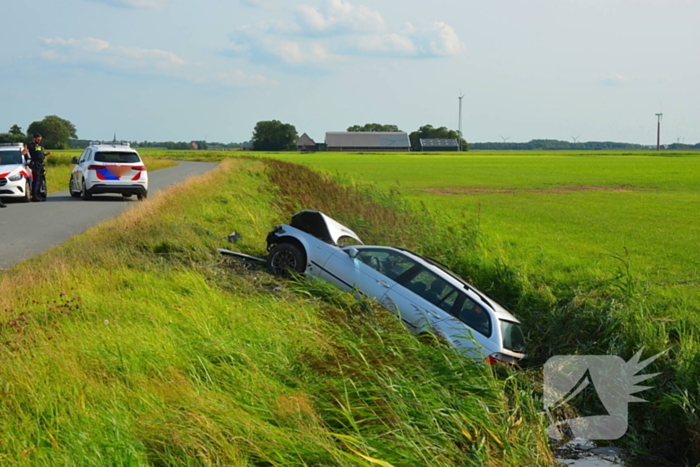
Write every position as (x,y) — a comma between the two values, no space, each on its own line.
(512,336)
(10,157)
(123,157)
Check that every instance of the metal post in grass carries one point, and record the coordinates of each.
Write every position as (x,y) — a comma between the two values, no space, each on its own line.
(459,126)
(658,131)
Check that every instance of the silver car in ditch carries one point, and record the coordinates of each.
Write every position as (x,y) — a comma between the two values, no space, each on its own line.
(427,295)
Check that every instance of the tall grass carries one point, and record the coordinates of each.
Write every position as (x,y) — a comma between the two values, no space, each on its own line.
(136,344)
(612,306)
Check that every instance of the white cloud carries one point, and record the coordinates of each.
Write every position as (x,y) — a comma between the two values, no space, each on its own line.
(614,79)
(91,53)
(339,17)
(107,56)
(238,78)
(388,44)
(318,36)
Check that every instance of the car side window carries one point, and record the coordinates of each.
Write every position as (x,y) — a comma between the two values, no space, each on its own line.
(388,262)
(472,314)
(434,289)
(84,155)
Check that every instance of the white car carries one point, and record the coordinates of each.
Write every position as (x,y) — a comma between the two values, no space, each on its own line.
(15,174)
(109,168)
(427,295)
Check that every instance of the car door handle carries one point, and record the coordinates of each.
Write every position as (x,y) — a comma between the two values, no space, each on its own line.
(384,284)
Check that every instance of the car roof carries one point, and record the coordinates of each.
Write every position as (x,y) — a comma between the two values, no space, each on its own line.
(112,148)
(452,277)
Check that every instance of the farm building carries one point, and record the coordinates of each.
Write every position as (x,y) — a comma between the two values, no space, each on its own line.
(305,143)
(437,144)
(367,141)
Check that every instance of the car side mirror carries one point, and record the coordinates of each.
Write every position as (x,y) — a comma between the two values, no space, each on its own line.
(74,160)
(352,252)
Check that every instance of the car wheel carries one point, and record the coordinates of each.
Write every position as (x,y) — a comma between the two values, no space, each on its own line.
(285,258)
(84,192)
(27,192)
(71,188)
(126,195)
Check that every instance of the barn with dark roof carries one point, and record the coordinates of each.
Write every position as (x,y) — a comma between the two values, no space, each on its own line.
(367,141)
(305,143)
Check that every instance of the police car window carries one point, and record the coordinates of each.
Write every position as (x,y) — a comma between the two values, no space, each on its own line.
(388,262)
(84,156)
(10,157)
(117,157)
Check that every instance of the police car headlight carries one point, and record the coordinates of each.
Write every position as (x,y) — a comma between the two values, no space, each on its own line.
(15,178)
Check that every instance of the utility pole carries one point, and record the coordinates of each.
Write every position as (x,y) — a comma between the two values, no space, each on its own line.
(658,131)
(459,125)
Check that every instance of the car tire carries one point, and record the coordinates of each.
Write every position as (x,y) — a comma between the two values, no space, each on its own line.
(73,192)
(84,192)
(142,196)
(285,259)
(27,192)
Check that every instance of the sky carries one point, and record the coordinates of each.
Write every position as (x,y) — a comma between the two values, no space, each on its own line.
(182,70)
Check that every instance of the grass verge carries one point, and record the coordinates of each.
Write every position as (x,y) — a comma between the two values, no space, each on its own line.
(136,344)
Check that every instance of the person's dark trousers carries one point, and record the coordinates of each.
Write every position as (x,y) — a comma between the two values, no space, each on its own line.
(37,173)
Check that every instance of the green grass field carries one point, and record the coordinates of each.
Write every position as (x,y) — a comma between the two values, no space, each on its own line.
(136,343)
(562,211)
(594,253)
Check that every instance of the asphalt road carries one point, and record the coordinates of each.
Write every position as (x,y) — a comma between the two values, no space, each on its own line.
(27,229)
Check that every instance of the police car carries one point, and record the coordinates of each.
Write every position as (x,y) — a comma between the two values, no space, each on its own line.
(109,168)
(15,174)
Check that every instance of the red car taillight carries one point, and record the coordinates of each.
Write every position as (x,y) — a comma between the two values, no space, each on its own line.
(491,360)
(96,167)
(138,167)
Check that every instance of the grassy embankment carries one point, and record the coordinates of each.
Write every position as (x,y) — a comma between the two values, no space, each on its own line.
(596,255)
(135,343)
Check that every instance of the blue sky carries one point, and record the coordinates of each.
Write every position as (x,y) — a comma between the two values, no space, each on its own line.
(186,70)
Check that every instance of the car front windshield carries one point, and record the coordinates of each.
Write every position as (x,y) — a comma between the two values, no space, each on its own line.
(512,336)
(10,157)
(117,157)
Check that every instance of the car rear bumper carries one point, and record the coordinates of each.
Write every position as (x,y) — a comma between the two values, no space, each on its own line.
(100,188)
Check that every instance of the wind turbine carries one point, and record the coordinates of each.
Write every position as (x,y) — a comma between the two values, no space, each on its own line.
(504,138)
(575,138)
(658,131)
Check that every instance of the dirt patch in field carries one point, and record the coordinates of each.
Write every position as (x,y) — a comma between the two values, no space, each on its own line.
(558,189)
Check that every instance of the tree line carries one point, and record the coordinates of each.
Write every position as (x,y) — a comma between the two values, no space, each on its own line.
(56,132)
(274,135)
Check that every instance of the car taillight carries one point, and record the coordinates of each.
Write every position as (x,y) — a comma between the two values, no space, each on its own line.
(491,360)
(96,167)
(138,167)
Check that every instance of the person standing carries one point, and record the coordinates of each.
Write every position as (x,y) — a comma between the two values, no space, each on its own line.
(37,156)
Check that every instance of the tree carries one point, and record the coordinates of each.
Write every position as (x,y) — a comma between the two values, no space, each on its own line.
(427,131)
(373,127)
(16,130)
(55,130)
(274,135)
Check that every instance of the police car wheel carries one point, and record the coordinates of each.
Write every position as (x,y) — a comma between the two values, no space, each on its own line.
(27,192)
(84,192)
